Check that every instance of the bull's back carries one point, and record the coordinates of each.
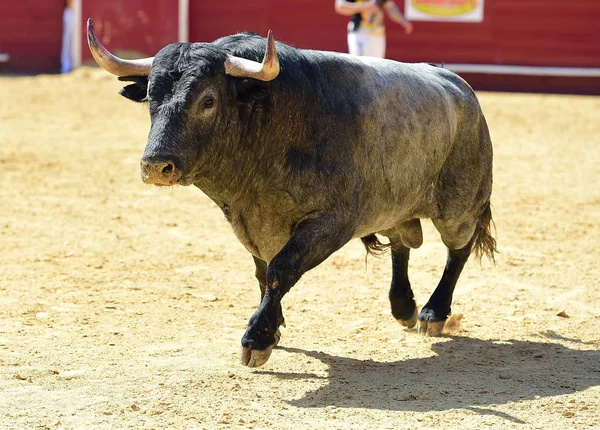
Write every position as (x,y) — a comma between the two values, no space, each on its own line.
(413,117)
(368,135)
(381,131)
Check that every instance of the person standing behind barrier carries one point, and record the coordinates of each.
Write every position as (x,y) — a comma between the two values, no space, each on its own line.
(366,30)
(66,62)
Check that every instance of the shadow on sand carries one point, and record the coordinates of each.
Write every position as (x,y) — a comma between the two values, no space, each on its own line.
(465,373)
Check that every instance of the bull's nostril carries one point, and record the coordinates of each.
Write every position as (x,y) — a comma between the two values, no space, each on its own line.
(168,169)
(160,172)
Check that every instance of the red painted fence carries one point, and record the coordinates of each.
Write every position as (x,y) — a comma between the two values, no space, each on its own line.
(144,26)
(516,32)
(31,33)
(513,32)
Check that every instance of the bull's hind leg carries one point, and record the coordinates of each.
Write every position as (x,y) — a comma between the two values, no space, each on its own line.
(459,240)
(402,301)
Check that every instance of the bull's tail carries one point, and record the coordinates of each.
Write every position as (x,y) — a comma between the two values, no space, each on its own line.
(483,241)
(374,246)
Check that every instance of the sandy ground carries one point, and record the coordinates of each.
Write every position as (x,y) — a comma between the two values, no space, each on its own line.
(123,305)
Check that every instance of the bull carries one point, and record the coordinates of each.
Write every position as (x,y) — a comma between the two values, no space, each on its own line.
(304,150)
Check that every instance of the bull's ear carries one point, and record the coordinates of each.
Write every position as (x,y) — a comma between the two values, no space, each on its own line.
(250,90)
(138,91)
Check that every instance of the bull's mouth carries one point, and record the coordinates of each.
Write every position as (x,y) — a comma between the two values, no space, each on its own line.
(183,181)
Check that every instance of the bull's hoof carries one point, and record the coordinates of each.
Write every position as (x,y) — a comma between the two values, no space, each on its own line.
(429,324)
(411,322)
(257,357)
(432,329)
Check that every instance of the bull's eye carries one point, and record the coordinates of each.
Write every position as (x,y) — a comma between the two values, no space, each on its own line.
(208,102)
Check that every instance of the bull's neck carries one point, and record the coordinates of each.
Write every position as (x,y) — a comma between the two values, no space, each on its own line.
(240,169)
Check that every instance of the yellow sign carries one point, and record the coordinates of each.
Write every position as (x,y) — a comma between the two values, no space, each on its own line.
(444,10)
(445,7)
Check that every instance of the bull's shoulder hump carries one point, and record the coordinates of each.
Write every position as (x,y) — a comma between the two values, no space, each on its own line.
(422,73)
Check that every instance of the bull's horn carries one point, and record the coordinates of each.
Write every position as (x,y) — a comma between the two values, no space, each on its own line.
(265,71)
(112,64)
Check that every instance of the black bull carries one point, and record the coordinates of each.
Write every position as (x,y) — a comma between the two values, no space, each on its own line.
(310,149)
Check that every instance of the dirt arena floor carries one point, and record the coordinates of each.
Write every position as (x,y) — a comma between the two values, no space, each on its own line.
(122,305)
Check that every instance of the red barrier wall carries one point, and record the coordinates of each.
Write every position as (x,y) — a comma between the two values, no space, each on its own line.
(134,25)
(308,26)
(515,32)
(209,20)
(302,23)
(31,33)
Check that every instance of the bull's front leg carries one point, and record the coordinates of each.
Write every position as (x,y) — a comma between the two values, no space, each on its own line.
(261,277)
(312,242)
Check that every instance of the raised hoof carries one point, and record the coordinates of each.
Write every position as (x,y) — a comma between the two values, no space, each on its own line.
(432,329)
(255,357)
(411,322)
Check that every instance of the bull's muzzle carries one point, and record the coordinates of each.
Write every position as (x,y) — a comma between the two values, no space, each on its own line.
(161,173)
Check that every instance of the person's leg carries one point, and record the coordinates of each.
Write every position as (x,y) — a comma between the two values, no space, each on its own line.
(374,46)
(382,47)
(65,54)
(355,43)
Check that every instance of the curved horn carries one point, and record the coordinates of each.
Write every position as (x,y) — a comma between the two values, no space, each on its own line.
(265,71)
(112,64)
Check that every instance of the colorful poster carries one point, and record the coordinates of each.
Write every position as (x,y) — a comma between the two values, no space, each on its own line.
(444,10)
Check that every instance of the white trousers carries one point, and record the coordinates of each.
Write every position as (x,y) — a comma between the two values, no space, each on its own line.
(66,63)
(364,42)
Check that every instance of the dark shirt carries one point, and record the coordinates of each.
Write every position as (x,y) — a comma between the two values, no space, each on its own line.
(366,19)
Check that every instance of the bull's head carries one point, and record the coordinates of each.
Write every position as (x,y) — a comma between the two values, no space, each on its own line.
(190,93)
